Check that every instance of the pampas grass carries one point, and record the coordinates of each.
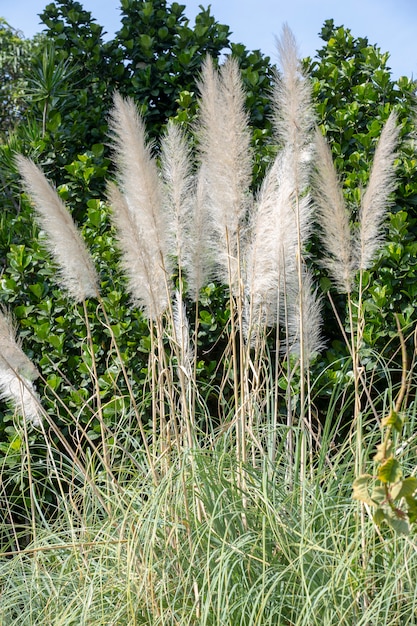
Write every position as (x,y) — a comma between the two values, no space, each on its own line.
(137,213)
(17,374)
(226,163)
(279,225)
(351,249)
(376,199)
(76,272)
(282,218)
(178,176)
(334,217)
(241,513)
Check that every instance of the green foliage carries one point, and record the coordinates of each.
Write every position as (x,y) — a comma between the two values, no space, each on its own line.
(354,94)
(15,54)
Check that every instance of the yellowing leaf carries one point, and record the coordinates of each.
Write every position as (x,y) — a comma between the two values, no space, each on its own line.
(378,495)
(394,419)
(389,471)
(361,489)
(383,451)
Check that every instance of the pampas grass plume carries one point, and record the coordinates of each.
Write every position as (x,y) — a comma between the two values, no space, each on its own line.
(334,218)
(17,373)
(226,161)
(347,254)
(376,199)
(176,168)
(138,211)
(76,271)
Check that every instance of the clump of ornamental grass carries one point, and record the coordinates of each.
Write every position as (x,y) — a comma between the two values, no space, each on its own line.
(188,550)
(254,523)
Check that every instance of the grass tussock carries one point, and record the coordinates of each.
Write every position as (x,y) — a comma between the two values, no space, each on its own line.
(179,514)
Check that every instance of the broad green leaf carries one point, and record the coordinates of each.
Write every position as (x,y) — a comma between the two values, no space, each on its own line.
(394,419)
(408,487)
(390,471)
(398,523)
(412,508)
(378,495)
(379,516)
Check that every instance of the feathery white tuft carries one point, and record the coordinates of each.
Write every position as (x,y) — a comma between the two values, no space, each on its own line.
(138,210)
(293,112)
(182,335)
(303,315)
(376,199)
(76,272)
(137,172)
(334,218)
(176,168)
(17,373)
(226,158)
(142,267)
(280,223)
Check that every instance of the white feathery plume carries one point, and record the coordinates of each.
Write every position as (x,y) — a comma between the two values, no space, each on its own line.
(334,217)
(303,314)
(182,335)
(226,157)
(346,251)
(376,199)
(176,168)
(293,112)
(17,373)
(272,253)
(76,272)
(145,274)
(140,205)
(198,252)
(137,172)
(283,216)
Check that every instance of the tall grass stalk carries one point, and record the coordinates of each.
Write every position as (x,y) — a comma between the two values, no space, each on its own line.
(350,252)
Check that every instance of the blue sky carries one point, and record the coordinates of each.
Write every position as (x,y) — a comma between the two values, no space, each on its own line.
(391,24)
